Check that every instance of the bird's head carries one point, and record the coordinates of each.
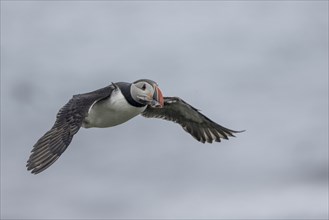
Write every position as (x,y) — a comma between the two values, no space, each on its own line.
(147,92)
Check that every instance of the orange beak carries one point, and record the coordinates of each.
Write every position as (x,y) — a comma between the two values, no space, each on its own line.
(157,96)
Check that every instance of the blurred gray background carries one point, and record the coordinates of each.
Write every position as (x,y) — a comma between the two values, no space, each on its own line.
(259,66)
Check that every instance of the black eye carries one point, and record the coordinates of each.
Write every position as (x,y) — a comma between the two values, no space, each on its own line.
(144,86)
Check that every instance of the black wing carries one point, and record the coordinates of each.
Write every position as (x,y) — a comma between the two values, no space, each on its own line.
(68,121)
(198,125)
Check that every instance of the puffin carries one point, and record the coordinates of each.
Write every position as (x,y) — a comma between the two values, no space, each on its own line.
(113,105)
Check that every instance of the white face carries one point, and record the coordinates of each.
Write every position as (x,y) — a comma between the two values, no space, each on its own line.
(142,92)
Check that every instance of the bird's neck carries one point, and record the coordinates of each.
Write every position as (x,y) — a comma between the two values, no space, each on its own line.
(126,92)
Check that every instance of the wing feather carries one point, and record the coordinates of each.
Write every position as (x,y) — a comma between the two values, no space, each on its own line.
(68,121)
(192,121)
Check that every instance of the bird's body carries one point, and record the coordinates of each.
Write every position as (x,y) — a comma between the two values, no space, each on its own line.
(110,112)
(114,105)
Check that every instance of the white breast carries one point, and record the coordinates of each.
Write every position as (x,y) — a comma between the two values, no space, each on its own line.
(111,112)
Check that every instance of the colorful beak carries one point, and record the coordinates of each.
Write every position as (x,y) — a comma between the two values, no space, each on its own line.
(158,97)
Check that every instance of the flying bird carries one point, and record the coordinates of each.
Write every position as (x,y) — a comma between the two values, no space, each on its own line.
(114,105)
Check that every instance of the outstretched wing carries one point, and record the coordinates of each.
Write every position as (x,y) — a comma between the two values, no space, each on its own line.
(68,121)
(198,125)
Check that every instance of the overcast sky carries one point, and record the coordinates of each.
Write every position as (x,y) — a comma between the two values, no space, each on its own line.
(259,66)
